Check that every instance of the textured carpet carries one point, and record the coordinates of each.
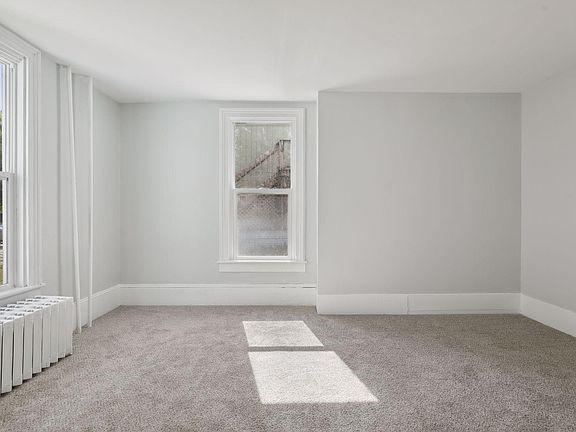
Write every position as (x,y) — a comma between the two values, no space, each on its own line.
(188,369)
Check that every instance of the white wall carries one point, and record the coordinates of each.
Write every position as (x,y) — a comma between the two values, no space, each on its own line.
(419,193)
(170,195)
(57,262)
(49,181)
(107,193)
(549,191)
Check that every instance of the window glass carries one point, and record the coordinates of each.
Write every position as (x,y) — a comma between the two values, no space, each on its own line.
(262,155)
(262,222)
(2,184)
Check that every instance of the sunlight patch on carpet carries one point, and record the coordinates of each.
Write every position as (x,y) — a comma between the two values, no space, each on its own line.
(279,334)
(290,377)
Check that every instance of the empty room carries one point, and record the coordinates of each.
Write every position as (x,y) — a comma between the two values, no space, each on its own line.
(249,215)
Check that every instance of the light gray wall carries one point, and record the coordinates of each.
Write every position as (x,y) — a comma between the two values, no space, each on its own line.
(170,194)
(107,192)
(57,260)
(418,193)
(48,156)
(549,191)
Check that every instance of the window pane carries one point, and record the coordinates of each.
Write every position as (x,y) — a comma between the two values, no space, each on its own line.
(1,115)
(2,183)
(262,225)
(2,233)
(262,155)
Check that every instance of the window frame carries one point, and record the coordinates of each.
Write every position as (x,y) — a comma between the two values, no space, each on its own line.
(229,260)
(21,116)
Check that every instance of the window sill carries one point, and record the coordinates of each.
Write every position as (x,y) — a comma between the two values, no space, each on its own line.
(272,266)
(17,291)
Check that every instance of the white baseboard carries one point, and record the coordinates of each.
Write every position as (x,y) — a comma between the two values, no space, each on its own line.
(549,314)
(188,294)
(197,294)
(474,303)
(298,295)
(102,302)
(362,304)
(401,304)
(354,304)
(217,294)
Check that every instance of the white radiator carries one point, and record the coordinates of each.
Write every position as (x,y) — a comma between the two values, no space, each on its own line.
(34,334)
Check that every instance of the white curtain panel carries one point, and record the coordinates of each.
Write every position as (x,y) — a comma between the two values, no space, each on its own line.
(75,181)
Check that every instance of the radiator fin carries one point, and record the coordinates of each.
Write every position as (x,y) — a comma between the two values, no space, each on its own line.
(34,334)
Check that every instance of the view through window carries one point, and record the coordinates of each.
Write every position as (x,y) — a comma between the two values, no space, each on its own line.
(3,182)
(262,179)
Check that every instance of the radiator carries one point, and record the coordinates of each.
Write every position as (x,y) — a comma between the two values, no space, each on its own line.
(34,334)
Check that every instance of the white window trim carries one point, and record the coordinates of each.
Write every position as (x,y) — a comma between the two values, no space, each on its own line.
(295,262)
(24,241)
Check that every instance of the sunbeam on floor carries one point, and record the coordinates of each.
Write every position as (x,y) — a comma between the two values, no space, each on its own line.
(292,377)
(279,334)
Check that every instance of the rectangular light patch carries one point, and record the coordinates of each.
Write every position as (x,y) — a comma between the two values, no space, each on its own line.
(279,334)
(290,377)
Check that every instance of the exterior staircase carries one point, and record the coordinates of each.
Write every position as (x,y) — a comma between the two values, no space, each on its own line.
(271,168)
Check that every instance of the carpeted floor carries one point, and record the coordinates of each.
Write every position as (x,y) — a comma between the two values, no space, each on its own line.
(188,369)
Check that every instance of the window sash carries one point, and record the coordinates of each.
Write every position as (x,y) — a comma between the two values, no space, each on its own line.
(235,240)
(7,169)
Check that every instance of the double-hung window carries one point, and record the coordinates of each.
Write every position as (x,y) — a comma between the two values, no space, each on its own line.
(262,196)
(19,222)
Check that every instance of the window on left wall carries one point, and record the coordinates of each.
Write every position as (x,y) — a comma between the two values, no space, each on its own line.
(19,189)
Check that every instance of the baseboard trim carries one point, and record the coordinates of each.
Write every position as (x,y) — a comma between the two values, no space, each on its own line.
(302,295)
(473,303)
(197,295)
(551,315)
(102,302)
(402,304)
(362,304)
(548,314)
(217,294)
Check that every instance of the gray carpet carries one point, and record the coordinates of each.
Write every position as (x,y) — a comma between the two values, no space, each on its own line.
(188,369)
